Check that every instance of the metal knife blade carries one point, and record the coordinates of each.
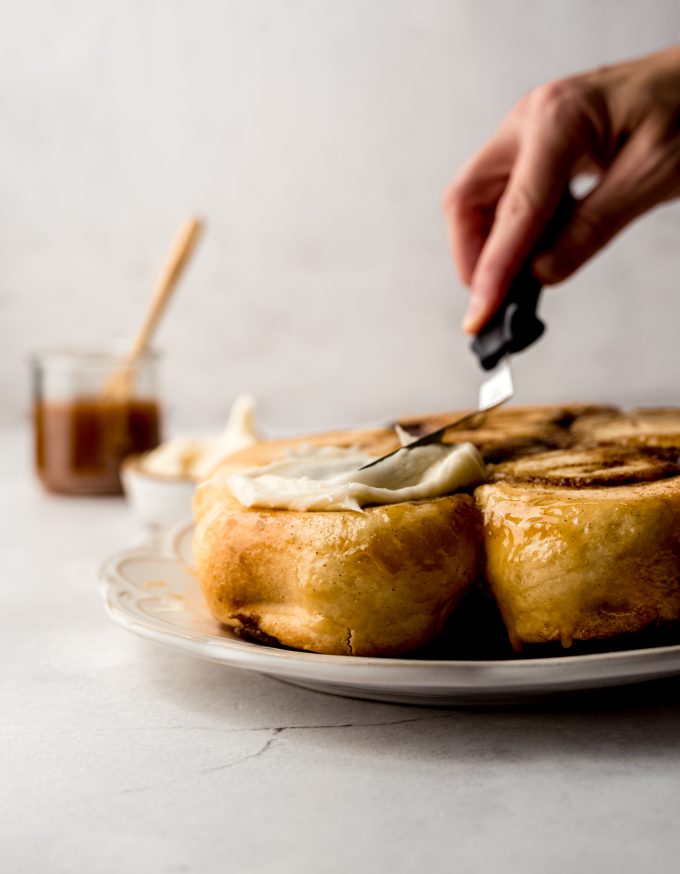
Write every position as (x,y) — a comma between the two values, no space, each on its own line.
(512,328)
(494,391)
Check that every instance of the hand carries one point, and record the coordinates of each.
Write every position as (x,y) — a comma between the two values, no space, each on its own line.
(621,123)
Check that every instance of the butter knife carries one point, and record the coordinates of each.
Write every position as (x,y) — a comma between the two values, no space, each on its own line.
(514,327)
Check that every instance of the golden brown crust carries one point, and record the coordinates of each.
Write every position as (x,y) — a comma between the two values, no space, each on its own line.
(576,551)
(587,467)
(653,427)
(510,431)
(381,582)
(581,526)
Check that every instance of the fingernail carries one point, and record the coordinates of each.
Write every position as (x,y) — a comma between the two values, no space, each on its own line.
(471,318)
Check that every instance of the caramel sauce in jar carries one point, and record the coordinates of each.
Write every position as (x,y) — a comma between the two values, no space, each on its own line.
(79,445)
(82,433)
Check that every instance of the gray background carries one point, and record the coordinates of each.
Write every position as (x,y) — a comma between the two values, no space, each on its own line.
(315,137)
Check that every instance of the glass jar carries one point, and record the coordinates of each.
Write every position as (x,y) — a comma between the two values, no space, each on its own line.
(86,423)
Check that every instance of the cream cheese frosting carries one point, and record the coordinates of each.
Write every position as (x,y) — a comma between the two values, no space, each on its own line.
(329,478)
(196,457)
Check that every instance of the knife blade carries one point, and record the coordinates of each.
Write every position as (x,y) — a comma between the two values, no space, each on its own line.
(514,327)
(494,391)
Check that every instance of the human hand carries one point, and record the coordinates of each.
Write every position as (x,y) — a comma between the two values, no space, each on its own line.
(620,123)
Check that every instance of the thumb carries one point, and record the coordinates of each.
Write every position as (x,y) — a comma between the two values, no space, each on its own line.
(633,184)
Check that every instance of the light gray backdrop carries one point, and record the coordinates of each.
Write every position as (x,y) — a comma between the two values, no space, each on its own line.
(315,136)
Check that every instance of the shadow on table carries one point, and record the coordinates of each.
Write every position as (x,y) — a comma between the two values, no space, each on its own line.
(612,724)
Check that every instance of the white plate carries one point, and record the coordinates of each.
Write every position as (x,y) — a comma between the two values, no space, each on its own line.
(152,592)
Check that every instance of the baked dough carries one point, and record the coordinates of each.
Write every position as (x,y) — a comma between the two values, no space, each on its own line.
(374,441)
(580,542)
(509,432)
(380,582)
(583,544)
(651,427)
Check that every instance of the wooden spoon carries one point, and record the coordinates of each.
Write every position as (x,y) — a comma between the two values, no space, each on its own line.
(121,383)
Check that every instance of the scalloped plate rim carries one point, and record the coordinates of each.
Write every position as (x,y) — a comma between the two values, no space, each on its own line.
(429,681)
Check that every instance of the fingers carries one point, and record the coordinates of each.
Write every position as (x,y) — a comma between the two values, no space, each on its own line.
(469,203)
(624,128)
(537,184)
(640,177)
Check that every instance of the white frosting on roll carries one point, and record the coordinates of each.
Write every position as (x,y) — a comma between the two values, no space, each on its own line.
(328,478)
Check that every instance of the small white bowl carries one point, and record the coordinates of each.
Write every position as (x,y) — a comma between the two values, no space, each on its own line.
(158,500)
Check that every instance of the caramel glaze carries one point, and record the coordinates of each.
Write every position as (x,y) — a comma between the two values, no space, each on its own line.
(582,563)
(79,445)
(374,583)
(580,543)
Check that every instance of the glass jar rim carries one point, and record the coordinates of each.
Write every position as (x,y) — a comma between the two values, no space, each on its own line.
(111,355)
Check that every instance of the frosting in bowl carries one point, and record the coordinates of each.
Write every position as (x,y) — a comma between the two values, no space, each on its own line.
(195,457)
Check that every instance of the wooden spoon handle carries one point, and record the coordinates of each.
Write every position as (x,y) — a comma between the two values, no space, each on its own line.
(174,266)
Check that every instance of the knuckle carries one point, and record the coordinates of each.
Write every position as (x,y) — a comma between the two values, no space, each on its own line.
(519,201)
(455,196)
(660,151)
(552,94)
(671,170)
(587,232)
(589,229)
(490,272)
(520,108)
(519,111)
(560,100)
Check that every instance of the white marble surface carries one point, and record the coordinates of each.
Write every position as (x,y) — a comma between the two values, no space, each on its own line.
(118,755)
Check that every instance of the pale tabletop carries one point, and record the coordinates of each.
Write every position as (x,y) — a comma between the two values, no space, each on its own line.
(119,755)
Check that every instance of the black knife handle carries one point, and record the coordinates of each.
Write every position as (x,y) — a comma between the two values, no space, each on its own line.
(514,326)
